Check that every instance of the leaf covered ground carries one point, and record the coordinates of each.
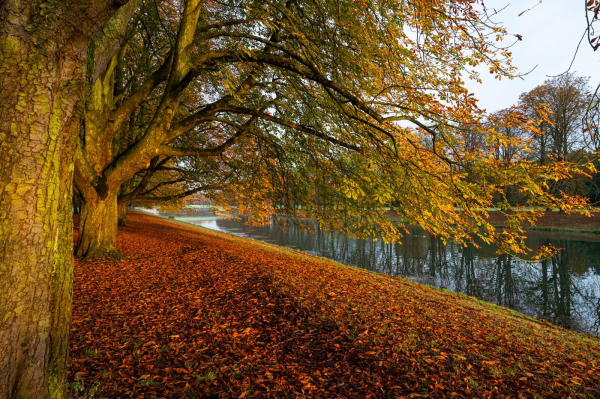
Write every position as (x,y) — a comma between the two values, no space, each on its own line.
(195,313)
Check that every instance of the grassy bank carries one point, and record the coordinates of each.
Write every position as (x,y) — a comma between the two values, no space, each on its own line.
(196,313)
(558,222)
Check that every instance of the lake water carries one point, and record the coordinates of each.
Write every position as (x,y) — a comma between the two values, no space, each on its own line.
(564,290)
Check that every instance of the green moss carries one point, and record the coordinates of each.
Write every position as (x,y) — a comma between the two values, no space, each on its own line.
(10,45)
(56,389)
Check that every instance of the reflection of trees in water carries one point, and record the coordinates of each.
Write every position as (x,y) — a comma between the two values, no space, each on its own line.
(561,296)
(549,288)
(469,273)
(503,282)
(561,283)
(564,289)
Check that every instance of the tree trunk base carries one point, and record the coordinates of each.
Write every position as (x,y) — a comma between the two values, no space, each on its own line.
(98,229)
(103,254)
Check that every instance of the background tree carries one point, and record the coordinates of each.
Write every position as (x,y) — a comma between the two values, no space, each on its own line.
(167,182)
(591,137)
(561,136)
(508,147)
(567,97)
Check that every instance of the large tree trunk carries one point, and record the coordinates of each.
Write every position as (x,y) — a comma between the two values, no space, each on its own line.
(98,227)
(122,212)
(35,150)
(42,77)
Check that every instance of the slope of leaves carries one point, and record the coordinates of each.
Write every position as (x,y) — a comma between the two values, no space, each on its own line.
(195,313)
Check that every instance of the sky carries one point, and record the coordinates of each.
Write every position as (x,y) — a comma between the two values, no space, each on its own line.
(551,31)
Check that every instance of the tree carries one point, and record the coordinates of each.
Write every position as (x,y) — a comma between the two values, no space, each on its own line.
(167,182)
(567,97)
(561,135)
(592,115)
(312,93)
(43,65)
(508,147)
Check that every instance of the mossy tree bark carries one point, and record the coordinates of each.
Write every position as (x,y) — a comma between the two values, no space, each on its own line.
(42,78)
(98,226)
(36,106)
(61,287)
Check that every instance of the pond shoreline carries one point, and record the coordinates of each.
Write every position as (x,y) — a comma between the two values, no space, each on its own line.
(551,221)
(480,272)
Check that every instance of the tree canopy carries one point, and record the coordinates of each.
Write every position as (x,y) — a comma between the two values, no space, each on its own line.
(321,109)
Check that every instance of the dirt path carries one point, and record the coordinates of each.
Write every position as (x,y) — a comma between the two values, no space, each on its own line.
(190,313)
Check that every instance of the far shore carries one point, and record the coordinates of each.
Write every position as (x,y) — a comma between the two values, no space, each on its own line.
(575,225)
(551,221)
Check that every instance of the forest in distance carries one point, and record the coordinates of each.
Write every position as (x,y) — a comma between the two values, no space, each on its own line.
(565,135)
(327,111)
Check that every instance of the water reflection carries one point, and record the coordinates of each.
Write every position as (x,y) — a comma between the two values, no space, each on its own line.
(564,290)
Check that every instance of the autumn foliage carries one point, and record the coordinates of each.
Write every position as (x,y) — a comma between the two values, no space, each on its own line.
(194,313)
